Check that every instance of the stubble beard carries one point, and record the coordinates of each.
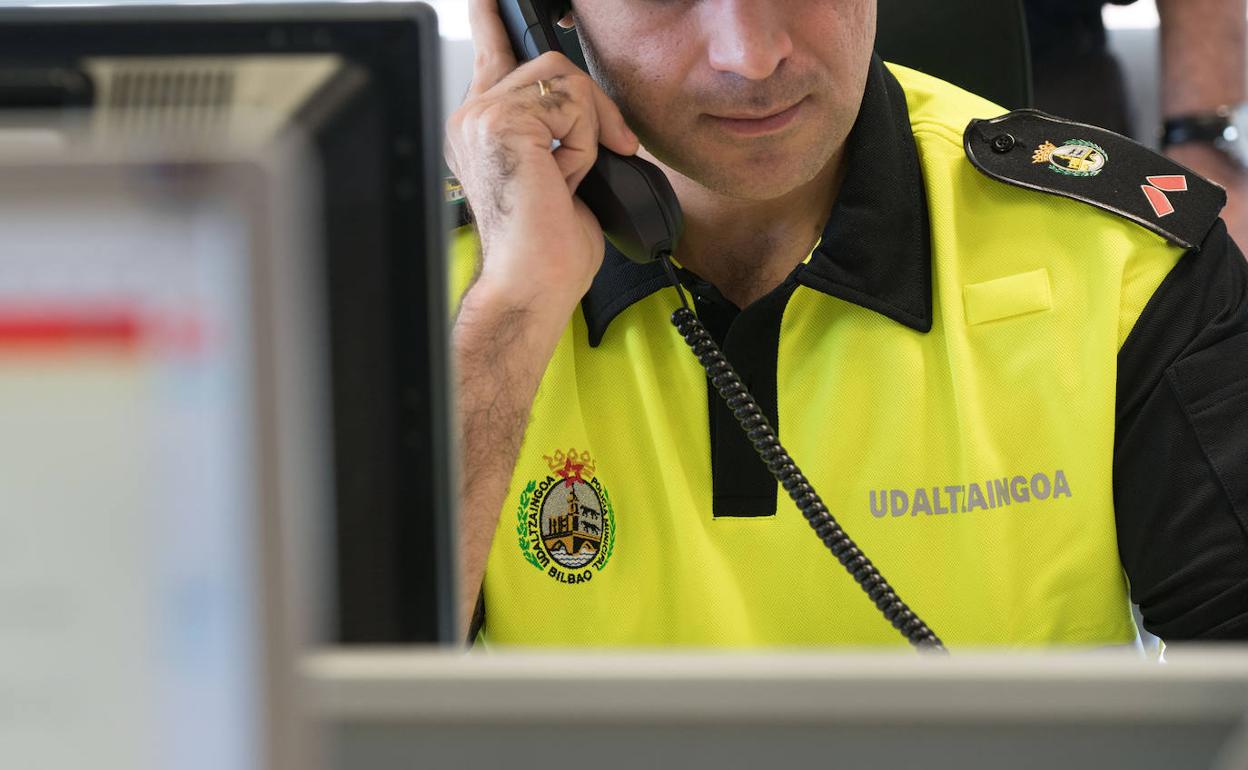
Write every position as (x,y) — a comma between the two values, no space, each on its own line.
(738,172)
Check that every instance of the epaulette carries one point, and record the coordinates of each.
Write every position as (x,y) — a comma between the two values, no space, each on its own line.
(1031,149)
(453,194)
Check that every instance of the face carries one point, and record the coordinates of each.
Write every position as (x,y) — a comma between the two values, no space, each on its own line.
(748,98)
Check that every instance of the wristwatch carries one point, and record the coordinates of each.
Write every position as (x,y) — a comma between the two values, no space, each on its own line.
(1225,129)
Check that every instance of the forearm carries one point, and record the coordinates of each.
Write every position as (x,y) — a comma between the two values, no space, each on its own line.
(1202,54)
(501,348)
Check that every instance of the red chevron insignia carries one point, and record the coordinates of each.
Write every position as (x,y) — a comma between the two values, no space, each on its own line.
(1157,188)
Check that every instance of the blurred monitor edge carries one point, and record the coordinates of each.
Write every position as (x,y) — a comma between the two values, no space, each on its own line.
(1076,710)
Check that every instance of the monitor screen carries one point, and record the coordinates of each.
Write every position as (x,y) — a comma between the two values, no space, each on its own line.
(361,82)
(144,585)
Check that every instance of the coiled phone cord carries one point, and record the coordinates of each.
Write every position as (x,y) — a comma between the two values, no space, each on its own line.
(726,380)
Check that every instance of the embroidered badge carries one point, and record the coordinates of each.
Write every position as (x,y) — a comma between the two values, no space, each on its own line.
(1077,157)
(1157,188)
(565,521)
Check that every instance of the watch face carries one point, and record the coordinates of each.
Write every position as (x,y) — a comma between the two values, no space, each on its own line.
(1234,141)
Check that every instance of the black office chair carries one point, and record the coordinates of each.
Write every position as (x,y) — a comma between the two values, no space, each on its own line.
(979,45)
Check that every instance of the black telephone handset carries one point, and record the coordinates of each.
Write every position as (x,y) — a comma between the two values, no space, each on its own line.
(640,215)
(631,198)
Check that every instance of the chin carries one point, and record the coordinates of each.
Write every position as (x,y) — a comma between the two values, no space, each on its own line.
(757,173)
(756,180)
(756,189)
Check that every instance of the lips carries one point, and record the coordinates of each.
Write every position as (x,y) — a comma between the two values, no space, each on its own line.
(757,125)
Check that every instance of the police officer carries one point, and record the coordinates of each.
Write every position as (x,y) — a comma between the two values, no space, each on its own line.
(1009,352)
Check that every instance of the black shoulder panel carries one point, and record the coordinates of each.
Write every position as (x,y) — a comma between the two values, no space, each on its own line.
(1028,148)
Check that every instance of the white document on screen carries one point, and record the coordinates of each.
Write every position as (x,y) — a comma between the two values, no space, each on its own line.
(127,575)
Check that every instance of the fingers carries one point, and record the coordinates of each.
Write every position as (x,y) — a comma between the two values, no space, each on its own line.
(548,101)
(614,133)
(494,58)
(579,115)
(567,80)
(601,124)
(578,147)
(495,62)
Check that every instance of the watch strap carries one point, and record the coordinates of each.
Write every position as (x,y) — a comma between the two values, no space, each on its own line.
(1206,127)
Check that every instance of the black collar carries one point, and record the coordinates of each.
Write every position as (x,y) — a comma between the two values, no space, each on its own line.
(875,250)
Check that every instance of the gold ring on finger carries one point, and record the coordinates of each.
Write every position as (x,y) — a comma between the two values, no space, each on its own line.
(543,87)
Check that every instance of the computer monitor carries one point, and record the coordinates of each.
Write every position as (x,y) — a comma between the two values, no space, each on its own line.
(361,82)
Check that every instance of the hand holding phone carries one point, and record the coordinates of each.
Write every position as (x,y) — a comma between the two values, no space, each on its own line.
(536,236)
(631,197)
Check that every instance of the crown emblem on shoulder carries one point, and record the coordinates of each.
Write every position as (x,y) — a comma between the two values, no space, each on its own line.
(1077,157)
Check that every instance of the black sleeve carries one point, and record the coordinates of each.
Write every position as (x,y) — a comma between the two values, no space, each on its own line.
(478,619)
(1181,448)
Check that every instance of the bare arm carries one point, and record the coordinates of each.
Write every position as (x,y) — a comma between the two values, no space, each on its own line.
(501,348)
(1203,67)
(1202,54)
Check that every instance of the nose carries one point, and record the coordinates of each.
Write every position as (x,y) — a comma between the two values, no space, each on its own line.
(749,38)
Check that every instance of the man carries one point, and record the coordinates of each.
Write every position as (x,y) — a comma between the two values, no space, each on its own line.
(1005,395)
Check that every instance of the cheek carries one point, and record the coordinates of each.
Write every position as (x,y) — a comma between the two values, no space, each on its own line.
(841,33)
(647,85)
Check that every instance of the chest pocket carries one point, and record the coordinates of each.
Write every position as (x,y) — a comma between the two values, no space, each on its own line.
(1007,297)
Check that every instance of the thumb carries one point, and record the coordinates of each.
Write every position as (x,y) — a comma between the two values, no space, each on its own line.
(493,58)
